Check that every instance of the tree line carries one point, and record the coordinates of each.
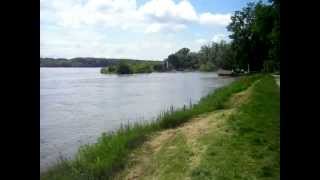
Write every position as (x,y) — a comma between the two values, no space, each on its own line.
(88,62)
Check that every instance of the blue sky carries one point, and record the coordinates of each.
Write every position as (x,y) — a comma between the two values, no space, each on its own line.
(140,29)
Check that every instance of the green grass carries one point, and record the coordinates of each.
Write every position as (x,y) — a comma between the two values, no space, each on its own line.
(251,148)
(110,154)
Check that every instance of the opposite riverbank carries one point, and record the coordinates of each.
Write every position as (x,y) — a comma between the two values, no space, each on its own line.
(113,153)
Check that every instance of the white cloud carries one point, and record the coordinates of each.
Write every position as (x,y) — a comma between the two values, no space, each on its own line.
(219,37)
(113,13)
(153,48)
(108,13)
(214,19)
(200,41)
(157,27)
(125,14)
(168,11)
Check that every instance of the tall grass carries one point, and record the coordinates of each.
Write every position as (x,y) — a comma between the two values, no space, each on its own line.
(109,155)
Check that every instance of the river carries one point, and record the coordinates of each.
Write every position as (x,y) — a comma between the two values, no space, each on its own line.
(78,104)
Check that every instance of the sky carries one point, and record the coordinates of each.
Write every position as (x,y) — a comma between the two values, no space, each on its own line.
(135,29)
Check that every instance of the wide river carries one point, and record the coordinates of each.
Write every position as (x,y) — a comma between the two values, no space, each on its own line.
(78,104)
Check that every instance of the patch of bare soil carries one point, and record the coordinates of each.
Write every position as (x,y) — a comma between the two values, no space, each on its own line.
(198,127)
(192,130)
(239,98)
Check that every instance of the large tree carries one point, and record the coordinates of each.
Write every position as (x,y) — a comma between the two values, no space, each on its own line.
(240,26)
(255,34)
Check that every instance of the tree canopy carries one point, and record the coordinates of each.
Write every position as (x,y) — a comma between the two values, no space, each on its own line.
(256,35)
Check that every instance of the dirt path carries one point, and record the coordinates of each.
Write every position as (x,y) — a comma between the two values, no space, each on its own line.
(148,161)
(142,159)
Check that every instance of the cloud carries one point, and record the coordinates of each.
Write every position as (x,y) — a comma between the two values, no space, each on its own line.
(122,14)
(201,41)
(107,13)
(219,37)
(214,19)
(157,27)
(152,49)
(167,11)
(125,14)
(61,42)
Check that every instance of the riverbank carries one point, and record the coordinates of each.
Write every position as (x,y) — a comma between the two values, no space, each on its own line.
(240,141)
(111,153)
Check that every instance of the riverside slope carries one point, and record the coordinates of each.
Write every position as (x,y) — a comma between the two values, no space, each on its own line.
(186,152)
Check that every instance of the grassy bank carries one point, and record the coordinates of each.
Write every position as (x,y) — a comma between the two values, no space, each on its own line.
(249,146)
(110,154)
(240,141)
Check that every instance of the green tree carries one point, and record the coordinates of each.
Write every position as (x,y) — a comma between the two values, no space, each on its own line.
(205,54)
(255,34)
(240,26)
(182,59)
(159,67)
(142,68)
(124,68)
(174,61)
(193,60)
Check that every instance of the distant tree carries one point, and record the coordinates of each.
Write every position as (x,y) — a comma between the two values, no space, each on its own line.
(112,69)
(204,54)
(159,67)
(173,59)
(183,52)
(209,66)
(124,68)
(142,68)
(183,58)
(193,60)
(228,58)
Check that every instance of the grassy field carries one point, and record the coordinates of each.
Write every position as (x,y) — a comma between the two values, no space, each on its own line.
(110,154)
